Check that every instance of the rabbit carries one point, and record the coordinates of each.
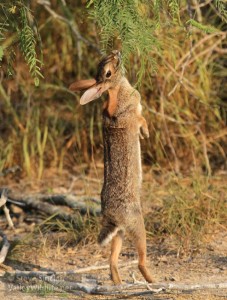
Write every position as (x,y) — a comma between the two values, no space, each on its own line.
(123,125)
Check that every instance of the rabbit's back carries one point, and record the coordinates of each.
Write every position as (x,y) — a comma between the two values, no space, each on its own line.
(122,173)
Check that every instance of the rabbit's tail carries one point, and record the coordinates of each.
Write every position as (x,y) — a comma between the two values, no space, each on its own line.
(107,233)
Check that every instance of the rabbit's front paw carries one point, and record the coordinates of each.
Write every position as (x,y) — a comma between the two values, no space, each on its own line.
(144,133)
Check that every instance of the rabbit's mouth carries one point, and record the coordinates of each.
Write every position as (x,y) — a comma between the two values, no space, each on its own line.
(101,88)
(99,91)
(93,93)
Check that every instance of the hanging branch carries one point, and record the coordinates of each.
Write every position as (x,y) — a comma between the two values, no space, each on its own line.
(71,23)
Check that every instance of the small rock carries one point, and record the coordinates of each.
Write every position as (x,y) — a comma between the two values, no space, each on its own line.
(210,248)
(174,278)
(215,270)
(72,262)
(163,259)
(16,210)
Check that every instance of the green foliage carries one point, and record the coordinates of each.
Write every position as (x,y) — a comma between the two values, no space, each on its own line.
(129,25)
(183,101)
(1,53)
(28,45)
(174,9)
(222,8)
(16,21)
(126,25)
(205,28)
(157,8)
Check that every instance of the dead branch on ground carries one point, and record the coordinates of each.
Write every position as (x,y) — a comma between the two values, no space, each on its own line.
(6,244)
(5,247)
(3,200)
(90,286)
(52,205)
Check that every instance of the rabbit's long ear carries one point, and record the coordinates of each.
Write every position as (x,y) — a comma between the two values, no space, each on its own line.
(93,93)
(82,85)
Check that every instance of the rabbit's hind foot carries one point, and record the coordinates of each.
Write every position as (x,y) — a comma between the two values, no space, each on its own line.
(146,274)
(115,251)
(115,274)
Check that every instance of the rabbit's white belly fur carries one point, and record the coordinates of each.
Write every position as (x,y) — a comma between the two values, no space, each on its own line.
(139,109)
(140,164)
(139,112)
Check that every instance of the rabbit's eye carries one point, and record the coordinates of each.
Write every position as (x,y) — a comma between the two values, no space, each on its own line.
(108,74)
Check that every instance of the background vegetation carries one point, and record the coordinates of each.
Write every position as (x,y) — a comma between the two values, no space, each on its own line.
(175,52)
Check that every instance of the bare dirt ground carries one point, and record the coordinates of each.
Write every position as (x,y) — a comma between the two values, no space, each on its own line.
(55,250)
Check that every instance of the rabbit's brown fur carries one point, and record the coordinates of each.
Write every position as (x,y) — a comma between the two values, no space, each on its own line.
(122,121)
(120,197)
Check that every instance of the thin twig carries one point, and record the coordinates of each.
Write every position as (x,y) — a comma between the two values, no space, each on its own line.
(191,50)
(8,218)
(162,112)
(3,201)
(198,10)
(6,244)
(200,5)
(135,281)
(71,23)
(207,50)
(5,247)
(171,119)
(94,268)
(204,143)
(65,273)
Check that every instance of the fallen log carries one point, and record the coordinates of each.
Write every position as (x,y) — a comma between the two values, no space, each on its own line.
(52,205)
(75,202)
(139,288)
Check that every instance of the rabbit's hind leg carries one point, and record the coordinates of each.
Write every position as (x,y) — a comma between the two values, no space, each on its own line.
(139,235)
(115,251)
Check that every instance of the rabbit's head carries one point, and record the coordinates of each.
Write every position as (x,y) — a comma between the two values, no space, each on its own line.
(109,70)
(108,76)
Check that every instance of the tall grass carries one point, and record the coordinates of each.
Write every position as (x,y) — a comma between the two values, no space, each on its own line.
(190,210)
(183,101)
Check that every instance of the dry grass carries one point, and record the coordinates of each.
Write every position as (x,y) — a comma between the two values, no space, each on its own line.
(190,209)
(183,101)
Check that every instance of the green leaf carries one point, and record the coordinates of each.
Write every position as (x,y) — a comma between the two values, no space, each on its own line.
(1,53)
(205,28)
(36,81)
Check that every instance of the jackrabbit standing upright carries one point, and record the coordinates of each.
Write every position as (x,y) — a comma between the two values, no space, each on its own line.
(123,125)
